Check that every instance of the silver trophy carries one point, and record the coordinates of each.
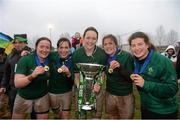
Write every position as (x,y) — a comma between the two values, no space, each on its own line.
(89,75)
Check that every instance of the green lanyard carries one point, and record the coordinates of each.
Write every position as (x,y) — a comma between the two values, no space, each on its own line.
(80,95)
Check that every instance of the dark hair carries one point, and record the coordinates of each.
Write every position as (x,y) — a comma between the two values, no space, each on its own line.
(141,35)
(90,29)
(112,37)
(43,38)
(63,39)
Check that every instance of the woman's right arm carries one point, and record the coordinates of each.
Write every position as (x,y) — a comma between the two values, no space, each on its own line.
(22,80)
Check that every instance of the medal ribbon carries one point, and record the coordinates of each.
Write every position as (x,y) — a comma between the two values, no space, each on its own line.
(67,62)
(113,57)
(80,95)
(140,69)
(38,63)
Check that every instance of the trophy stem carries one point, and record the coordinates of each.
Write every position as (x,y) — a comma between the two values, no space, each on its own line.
(89,75)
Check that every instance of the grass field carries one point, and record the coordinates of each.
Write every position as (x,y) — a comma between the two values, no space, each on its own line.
(104,115)
(137,113)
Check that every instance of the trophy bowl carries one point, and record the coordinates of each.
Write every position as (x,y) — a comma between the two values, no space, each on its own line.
(89,74)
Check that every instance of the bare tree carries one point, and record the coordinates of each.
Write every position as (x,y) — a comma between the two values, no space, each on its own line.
(172,37)
(66,35)
(160,35)
(103,35)
(152,38)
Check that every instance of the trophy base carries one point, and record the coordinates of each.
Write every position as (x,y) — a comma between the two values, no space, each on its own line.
(86,107)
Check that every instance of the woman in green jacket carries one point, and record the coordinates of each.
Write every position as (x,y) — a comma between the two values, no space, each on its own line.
(155,78)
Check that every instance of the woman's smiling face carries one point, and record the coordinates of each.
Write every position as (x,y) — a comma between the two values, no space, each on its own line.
(64,49)
(43,49)
(139,48)
(90,40)
(109,46)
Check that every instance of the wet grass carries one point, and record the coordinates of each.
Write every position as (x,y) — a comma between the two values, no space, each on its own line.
(105,116)
(137,114)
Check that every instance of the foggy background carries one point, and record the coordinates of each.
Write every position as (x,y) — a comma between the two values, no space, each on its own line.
(55,18)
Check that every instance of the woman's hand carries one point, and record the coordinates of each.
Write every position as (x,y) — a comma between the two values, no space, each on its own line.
(114,64)
(24,53)
(97,87)
(38,70)
(65,70)
(137,79)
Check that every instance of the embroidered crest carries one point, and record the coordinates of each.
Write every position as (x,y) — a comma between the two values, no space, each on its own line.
(150,70)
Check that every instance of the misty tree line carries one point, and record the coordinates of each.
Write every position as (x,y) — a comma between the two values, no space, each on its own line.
(160,38)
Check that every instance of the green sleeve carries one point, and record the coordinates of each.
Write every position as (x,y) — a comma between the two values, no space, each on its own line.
(103,57)
(168,86)
(21,67)
(53,56)
(126,66)
(74,61)
(72,71)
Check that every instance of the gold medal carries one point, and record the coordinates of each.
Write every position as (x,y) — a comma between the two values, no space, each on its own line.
(110,70)
(46,68)
(60,70)
(131,76)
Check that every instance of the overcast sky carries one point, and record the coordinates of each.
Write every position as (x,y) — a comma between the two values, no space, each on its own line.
(108,16)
